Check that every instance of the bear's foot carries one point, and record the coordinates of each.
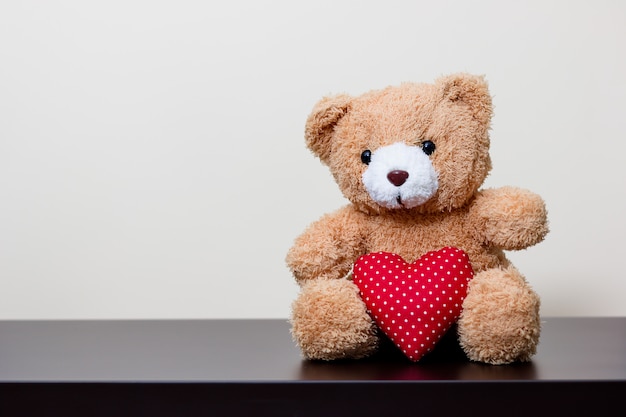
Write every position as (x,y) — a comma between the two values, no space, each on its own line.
(330,321)
(500,320)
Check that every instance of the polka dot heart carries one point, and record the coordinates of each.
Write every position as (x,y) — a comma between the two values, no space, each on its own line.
(414,304)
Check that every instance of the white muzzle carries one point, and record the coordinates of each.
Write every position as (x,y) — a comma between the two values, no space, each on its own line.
(400,176)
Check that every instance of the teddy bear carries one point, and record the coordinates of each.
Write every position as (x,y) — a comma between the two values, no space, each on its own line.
(411,160)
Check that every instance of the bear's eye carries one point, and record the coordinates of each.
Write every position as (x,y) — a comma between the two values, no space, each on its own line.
(428,147)
(366,156)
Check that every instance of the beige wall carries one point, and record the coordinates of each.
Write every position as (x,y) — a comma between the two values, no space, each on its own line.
(152,162)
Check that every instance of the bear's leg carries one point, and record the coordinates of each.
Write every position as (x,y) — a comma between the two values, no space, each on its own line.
(500,320)
(330,321)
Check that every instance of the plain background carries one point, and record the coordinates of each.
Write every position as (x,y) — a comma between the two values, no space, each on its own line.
(152,161)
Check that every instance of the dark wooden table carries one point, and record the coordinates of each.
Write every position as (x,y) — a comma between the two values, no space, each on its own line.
(251,367)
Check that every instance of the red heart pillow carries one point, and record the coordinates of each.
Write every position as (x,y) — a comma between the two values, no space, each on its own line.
(414,304)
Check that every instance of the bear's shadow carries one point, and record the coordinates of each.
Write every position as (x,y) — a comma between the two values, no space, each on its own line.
(446,361)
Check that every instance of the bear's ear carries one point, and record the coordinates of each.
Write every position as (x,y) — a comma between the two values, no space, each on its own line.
(321,123)
(471,90)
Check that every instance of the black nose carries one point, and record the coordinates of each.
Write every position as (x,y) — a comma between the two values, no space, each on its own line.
(397,177)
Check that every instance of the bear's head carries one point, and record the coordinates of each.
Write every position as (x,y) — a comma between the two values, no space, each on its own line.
(421,147)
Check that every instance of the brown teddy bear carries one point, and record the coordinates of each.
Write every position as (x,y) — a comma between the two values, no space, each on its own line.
(411,159)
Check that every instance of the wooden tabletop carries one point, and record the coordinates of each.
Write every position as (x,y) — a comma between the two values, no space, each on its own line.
(235,367)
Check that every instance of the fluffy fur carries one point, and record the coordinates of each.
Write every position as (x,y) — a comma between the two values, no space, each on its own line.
(500,320)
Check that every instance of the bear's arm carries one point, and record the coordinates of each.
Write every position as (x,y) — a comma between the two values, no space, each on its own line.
(328,247)
(510,218)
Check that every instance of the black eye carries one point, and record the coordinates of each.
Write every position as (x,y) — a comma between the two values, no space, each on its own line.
(428,147)
(366,156)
